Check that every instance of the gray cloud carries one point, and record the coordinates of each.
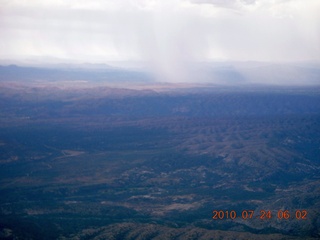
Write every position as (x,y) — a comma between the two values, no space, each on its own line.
(216,2)
(233,4)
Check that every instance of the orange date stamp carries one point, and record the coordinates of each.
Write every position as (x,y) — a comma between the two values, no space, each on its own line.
(262,214)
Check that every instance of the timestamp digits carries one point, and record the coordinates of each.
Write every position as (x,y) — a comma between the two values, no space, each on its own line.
(262,214)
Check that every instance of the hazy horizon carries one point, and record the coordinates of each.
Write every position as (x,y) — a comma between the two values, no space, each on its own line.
(167,36)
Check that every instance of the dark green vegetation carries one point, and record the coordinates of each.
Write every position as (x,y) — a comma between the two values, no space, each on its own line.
(128,164)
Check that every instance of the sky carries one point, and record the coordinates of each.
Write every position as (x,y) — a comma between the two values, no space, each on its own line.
(168,34)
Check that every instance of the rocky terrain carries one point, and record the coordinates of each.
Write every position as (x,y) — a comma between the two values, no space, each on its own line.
(155,163)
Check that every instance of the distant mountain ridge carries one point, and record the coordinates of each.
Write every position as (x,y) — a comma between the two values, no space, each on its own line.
(222,73)
(66,72)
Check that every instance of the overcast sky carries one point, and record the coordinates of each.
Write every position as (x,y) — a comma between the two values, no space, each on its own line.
(162,32)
